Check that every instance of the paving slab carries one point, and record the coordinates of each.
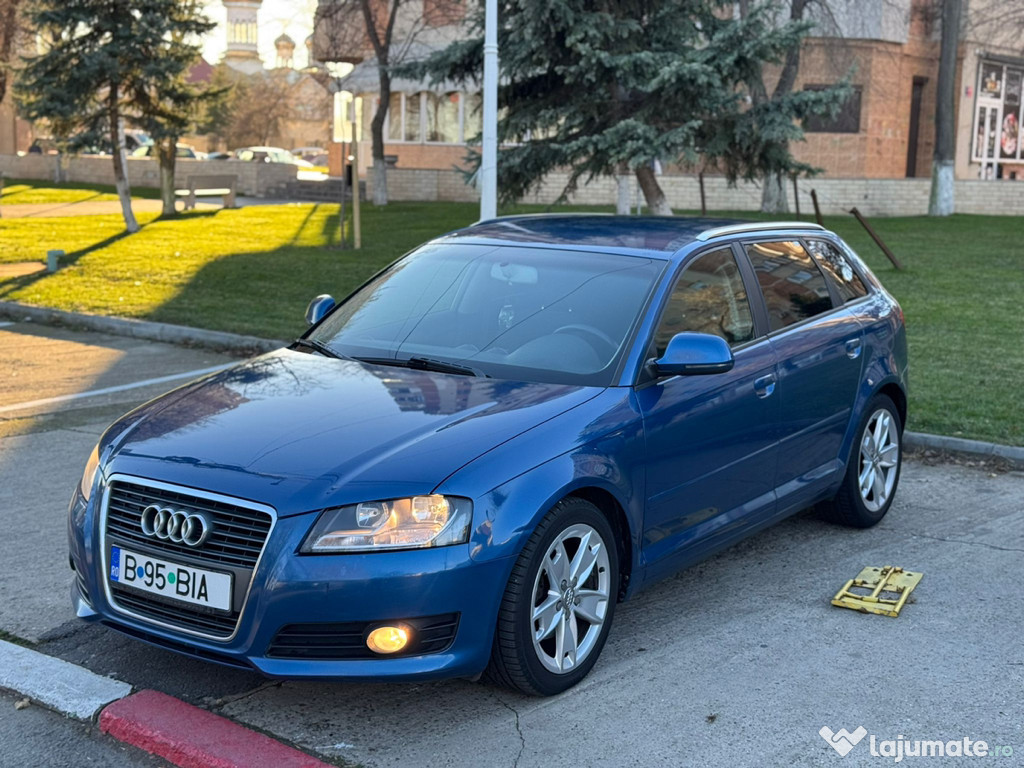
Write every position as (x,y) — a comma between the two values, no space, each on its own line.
(62,686)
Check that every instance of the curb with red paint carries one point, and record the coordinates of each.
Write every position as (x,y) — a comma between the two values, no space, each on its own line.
(191,737)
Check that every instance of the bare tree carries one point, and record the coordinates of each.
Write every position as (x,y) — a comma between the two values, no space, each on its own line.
(260,106)
(352,30)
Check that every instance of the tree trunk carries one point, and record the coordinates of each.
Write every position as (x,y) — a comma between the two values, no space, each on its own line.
(653,193)
(942,202)
(773,194)
(380,166)
(622,192)
(124,191)
(167,157)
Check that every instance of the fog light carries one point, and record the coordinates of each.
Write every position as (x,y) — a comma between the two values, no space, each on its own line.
(387,639)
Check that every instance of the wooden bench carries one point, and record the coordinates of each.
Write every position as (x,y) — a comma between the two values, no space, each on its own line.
(209,185)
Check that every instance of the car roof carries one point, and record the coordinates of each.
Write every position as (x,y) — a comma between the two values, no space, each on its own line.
(650,235)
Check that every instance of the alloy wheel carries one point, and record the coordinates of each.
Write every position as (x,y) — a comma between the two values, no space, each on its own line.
(571,596)
(879,460)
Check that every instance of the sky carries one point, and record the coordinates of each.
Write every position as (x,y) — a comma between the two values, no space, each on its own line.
(294,17)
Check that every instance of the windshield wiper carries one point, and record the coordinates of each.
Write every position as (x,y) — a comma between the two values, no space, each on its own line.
(426,364)
(320,347)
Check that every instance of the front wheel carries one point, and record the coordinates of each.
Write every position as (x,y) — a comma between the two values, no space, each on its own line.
(873,471)
(558,605)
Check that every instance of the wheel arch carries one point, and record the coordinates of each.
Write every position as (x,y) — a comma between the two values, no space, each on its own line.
(895,392)
(610,507)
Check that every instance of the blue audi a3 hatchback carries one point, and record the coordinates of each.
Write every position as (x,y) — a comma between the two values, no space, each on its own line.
(461,468)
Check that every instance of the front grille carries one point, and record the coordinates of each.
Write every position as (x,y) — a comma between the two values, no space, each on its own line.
(238,533)
(347,640)
(234,546)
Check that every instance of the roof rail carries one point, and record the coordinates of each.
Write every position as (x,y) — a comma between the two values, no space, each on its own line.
(757,226)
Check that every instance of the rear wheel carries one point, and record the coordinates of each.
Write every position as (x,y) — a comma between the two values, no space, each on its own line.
(558,605)
(873,471)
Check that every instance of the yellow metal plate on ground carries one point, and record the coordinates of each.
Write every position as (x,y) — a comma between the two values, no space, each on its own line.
(878,590)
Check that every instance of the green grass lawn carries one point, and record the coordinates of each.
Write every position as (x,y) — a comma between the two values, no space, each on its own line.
(24,192)
(253,270)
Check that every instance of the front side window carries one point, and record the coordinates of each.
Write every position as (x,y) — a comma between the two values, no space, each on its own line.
(528,314)
(794,288)
(837,267)
(709,297)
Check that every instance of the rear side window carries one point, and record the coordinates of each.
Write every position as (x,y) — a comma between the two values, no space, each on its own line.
(794,288)
(838,268)
(708,297)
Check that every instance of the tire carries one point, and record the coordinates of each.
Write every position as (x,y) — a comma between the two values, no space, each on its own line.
(881,468)
(532,603)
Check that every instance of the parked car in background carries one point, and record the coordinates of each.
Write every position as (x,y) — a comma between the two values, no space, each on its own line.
(270,155)
(465,465)
(315,155)
(219,156)
(180,150)
(133,140)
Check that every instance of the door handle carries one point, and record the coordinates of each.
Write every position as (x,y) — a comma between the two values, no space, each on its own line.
(853,349)
(764,386)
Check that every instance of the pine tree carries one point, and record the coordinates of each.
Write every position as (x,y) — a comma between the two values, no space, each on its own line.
(598,87)
(107,62)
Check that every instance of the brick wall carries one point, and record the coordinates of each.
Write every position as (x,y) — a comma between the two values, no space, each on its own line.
(873,197)
(254,179)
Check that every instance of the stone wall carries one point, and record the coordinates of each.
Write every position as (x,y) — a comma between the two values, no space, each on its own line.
(873,197)
(254,179)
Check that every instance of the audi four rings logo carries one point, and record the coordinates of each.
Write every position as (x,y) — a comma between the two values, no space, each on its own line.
(166,524)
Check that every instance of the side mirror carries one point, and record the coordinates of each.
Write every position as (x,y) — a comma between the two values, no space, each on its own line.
(694,354)
(319,307)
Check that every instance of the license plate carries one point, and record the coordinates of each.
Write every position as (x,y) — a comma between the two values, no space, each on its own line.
(171,580)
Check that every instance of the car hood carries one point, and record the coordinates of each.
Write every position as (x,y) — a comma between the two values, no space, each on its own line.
(302,432)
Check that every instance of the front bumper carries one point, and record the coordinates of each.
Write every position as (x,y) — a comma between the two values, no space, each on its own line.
(288,588)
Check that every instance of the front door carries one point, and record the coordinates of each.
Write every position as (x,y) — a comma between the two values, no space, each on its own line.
(710,439)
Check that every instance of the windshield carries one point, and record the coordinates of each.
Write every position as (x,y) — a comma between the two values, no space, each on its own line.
(530,314)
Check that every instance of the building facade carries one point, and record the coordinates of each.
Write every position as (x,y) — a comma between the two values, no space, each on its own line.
(887,49)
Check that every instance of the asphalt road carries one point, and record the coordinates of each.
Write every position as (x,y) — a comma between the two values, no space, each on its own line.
(34,736)
(738,661)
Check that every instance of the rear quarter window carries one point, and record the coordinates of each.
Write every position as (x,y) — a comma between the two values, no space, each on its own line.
(837,267)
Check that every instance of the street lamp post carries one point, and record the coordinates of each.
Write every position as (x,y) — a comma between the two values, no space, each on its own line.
(489,160)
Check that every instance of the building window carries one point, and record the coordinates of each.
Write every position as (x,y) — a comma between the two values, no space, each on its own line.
(997,117)
(473,115)
(426,117)
(413,111)
(395,117)
(847,120)
(442,113)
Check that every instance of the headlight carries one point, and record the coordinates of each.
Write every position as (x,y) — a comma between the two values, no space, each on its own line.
(412,523)
(89,475)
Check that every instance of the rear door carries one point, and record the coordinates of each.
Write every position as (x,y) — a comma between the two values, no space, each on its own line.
(818,342)
(710,439)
